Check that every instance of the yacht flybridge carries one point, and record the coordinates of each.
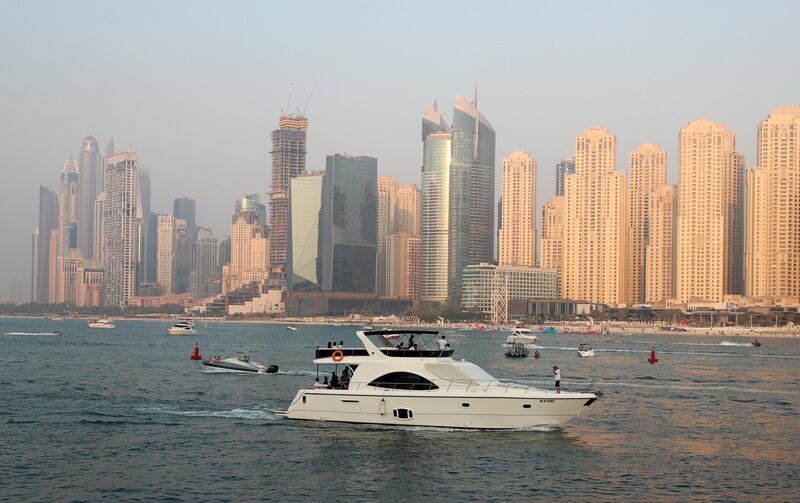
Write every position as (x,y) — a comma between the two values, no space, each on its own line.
(387,383)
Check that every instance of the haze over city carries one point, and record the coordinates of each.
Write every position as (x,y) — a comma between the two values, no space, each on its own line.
(195,88)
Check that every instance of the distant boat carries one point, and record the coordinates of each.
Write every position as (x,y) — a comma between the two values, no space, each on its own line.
(585,350)
(184,327)
(291,329)
(101,323)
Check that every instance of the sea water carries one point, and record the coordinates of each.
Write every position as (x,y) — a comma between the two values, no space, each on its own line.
(125,415)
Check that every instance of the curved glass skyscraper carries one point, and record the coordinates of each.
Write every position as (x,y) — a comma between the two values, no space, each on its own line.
(437,147)
(471,227)
(91,169)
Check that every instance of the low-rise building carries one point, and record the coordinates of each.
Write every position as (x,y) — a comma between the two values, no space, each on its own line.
(483,281)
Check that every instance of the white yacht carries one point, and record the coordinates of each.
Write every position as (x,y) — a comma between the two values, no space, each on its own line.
(382,384)
(524,336)
(101,323)
(183,327)
(585,350)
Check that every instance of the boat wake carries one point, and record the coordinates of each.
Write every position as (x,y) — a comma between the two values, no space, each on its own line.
(29,333)
(252,414)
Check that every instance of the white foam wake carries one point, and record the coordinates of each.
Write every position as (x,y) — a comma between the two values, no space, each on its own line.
(252,414)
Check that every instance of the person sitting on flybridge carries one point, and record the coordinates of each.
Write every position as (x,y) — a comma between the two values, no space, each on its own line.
(443,344)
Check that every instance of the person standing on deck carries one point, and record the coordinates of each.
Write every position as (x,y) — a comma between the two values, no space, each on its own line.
(557,377)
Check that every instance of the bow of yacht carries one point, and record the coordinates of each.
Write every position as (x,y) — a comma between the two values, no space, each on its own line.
(384,384)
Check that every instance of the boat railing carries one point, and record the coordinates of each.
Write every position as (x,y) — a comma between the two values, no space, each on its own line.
(467,385)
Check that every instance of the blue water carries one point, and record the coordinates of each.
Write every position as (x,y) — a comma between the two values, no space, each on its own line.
(125,415)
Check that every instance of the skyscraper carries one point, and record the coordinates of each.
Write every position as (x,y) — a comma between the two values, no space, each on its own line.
(647,172)
(68,258)
(552,244)
(349,224)
(288,161)
(564,167)
(303,255)
(252,203)
(773,208)
(517,233)
(91,169)
(147,232)
(184,208)
(204,263)
(408,215)
(48,222)
(472,204)
(710,213)
(403,264)
(165,253)
(660,248)
(437,154)
(593,267)
(184,211)
(249,252)
(387,204)
(120,226)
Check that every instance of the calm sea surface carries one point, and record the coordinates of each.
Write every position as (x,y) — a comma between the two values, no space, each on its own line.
(125,415)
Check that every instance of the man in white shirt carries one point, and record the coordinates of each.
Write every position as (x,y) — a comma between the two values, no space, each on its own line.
(557,377)
(443,344)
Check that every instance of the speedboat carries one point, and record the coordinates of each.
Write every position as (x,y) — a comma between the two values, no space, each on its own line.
(585,350)
(291,329)
(517,350)
(57,332)
(422,387)
(184,327)
(101,323)
(524,336)
(241,363)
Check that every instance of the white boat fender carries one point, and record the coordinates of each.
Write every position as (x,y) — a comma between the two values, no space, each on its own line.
(382,406)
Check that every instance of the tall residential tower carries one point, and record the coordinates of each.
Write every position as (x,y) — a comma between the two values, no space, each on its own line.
(594,222)
(773,208)
(710,213)
(517,239)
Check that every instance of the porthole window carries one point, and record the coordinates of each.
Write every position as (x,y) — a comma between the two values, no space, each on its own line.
(403,414)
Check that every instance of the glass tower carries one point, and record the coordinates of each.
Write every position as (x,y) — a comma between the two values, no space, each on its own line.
(90,168)
(471,227)
(564,167)
(437,144)
(305,205)
(349,224)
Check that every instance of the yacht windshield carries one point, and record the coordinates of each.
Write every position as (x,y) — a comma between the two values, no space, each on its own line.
(459,371)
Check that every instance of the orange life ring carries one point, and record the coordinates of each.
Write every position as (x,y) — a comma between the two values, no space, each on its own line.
(337,355)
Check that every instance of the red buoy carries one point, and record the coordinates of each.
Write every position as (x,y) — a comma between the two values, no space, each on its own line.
(196,354)
(652,358)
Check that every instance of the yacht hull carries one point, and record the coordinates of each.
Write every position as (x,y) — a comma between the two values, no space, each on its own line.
(181,331)
(482,411)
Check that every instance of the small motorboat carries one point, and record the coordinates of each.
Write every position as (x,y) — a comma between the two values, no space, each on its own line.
(57,332)
(291,329)
(585,350)
(524,336)
(756,343)
(184,327)
(517,350)
(241,363)
(101,323)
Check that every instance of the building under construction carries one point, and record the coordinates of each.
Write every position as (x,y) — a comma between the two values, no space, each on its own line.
(288,161)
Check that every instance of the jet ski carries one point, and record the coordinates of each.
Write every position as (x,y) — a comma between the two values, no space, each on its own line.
(755,343)
(241,363)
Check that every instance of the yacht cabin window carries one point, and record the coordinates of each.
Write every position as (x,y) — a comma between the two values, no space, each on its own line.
(403,380)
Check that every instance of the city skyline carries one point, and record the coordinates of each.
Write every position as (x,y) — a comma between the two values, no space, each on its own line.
(172,126)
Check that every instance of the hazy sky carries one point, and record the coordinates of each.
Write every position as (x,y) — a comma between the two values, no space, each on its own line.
(195,87)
